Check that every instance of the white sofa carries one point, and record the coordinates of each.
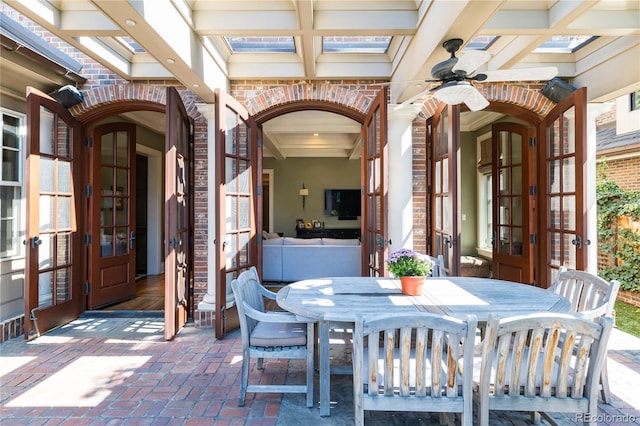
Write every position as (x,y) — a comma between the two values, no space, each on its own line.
(292,259)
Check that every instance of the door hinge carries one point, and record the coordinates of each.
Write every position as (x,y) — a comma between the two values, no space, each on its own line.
(532,142)
(533,238)
(89,142)
(259,190)
(87,288)
(87,239)
(259,142)
(533,190)
(88,190)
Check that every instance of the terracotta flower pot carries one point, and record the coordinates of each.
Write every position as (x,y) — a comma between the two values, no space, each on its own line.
(412,286)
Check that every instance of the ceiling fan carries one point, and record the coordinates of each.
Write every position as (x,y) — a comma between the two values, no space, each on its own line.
(456,73)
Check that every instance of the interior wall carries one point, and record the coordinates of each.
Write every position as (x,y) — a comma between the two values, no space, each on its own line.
(469,193)
(317,174)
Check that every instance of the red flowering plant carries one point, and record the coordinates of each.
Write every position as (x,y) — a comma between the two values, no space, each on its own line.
(408,263)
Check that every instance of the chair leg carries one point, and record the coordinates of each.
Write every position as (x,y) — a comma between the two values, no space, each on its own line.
(310,362)
(535,417)
(605,392)
(244,378)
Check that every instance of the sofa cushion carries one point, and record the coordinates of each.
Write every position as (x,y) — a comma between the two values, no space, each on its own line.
(273,241)
(307,262)
(340,242)
(290,241)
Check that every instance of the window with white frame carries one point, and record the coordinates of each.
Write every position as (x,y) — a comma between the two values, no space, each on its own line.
(11,184)
(635,100)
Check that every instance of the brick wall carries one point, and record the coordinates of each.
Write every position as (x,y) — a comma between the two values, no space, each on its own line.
(630,297)
(625,172)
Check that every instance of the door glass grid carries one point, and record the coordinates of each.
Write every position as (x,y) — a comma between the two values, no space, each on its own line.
(561,189)
(115,169)
(55,207)
(373,187)
(238,192)
(509,196)
(441,197)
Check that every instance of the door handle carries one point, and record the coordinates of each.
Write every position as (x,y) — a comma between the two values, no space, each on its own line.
(35,241)
(449,241)
(132,240)
(577,241)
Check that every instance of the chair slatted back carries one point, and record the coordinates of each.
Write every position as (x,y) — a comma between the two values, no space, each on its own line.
(247,290)
(542,362)
(411,363)
(438,269)
(590,296)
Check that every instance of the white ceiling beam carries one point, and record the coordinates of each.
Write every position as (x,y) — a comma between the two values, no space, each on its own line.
(622,22)
(306,41)
(264,70)
(522,19)
(366,21)
(374,70)
(618,76)
(90,23)
(350,5)
(518,48)
(356,151)
(270,142)
(264,22)
(443,20)
(192,64)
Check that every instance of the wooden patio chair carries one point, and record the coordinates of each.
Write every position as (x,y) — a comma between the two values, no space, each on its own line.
(438,269)
(591,298)
(393,364)
(541,362)
(270,335)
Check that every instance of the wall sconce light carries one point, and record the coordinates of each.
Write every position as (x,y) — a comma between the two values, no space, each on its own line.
(303,192)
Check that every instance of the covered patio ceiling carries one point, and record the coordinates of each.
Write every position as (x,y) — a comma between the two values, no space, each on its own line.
(205,44)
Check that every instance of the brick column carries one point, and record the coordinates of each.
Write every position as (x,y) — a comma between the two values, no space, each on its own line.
(207,306)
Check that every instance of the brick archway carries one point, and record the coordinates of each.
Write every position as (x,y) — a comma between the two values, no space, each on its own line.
(527,99)
(102,101)
(333,98)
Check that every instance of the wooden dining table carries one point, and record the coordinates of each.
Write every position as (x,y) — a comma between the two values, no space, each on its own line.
(345,299)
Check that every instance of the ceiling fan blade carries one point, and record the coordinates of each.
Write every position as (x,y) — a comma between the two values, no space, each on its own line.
(475,101)
(521,74)
(457,92)
(470,60)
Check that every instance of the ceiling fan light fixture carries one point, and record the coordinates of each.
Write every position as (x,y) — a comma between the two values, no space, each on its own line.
(454,92)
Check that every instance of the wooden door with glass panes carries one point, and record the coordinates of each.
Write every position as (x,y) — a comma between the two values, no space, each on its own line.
(374,231)
(112,254)
(178,212)
(562,148)
(54,265)
(237,178)
(513,215)
(443,157)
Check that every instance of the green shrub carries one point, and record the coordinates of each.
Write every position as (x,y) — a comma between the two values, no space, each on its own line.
(620,244)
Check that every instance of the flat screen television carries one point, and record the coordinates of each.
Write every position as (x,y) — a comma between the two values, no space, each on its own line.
(343,203)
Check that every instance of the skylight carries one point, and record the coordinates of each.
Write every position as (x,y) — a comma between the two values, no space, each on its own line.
(260,44)
(356,44)
(564,44)
(130,44)
(481,42)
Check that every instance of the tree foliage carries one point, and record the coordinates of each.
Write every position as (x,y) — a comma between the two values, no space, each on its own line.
(620,244)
